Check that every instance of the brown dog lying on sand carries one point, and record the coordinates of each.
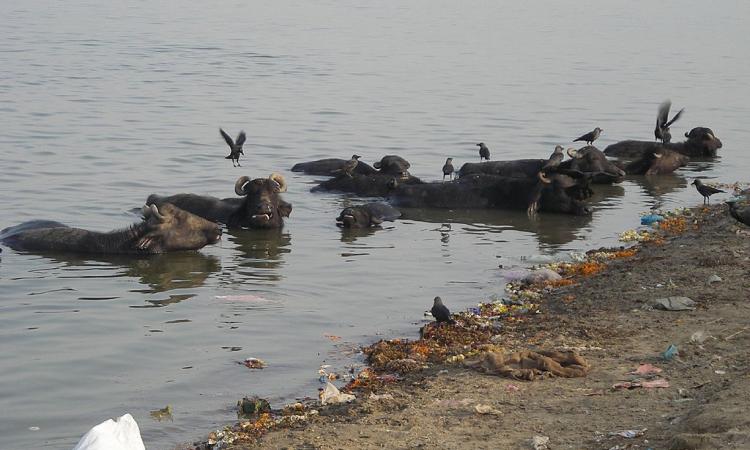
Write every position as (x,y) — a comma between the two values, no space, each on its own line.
(531,365)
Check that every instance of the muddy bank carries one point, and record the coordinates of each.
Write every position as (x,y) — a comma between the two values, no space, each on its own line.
(602,310)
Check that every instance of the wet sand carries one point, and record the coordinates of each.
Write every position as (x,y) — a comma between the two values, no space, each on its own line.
(603,316)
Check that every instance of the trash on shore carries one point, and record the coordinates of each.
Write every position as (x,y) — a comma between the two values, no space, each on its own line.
(653,384)
(674,304)
(253,363)
(651,219)
(542,275)
(331,395)
(486,409)
(531,365)
(645,369)
(162,414)
(540,443)
(252,407)
(113,434)
(714,279)
(670,352)
(379,397)
(629,434)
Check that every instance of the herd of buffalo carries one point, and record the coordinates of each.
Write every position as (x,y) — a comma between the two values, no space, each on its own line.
(555,185)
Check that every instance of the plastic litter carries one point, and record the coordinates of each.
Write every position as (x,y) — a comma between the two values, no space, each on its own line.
(651,219)
(485,409)
(674,304)
(254,363)
(162,414)
(670,352)
(628,434)
(252,407)
(657,383)
(331,395)
(698,337)
(118,434)
(541,276)
(540,442)
(714,279)
(378,397)
(645,369)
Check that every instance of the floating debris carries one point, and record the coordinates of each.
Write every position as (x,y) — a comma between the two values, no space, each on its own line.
(253,363)
(162,414)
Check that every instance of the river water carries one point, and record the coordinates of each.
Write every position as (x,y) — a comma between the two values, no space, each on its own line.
(103,103)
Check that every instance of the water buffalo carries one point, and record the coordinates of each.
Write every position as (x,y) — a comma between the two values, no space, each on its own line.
(375,185)
(367,215)
(540,193)
(587,160)
(393,165)
(163,229)
(701,142)
(330,166)
(259,205)
(658,161)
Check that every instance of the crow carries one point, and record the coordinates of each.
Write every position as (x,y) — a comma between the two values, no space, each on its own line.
(590,137)
(663,123)
(484,152)
(555,159)
(235,147)
(448,169)
(705,191)
(440,312)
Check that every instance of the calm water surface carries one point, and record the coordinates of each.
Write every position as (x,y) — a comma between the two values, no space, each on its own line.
(103,103)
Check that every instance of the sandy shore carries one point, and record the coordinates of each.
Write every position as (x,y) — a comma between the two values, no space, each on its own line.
(606,318)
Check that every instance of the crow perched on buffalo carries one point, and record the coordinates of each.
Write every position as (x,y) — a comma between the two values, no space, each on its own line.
(590,137)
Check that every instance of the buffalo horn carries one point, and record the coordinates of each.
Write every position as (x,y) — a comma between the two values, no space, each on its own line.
(544,179)
(279,178)
(155,212)
(239,186)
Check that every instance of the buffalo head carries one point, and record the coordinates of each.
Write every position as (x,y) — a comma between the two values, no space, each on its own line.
(704,140)
(559,193)
(169,228)
(393,165)
(262,206)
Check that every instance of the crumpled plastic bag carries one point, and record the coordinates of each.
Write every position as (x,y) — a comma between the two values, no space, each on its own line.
(331,395)
(113,434)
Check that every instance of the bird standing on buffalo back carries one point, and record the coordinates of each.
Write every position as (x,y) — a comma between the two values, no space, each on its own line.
(591,136)
(448,169)
(235,147)
(555,158)
(661,132)
(440,312)
(484,152)
(705,191)
(349,166)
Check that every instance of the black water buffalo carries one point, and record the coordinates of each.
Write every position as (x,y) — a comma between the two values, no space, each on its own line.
(163,229)
(393,165)
(588,160)
(701,142)
(259,205)
(659,161)
(539,193)
(375,185)
(367,215)
(330,166)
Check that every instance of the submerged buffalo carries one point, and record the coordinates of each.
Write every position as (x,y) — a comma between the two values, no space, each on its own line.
(331,166)
(163,229)
(259,205)
(659,161)
(701,142)
(588,160)
(375,185)
(367,215)
(393,165)
(556,193)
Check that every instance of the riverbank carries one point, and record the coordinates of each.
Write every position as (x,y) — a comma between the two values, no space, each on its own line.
(603,314)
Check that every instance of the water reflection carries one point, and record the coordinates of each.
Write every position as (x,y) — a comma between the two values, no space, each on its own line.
(659,186)
(260,251)
(350,235)
(550,229)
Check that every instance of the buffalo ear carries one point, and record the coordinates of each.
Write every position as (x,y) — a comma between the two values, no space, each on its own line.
(285,209)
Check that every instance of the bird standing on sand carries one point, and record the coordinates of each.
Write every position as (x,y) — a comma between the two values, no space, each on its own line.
(235,147)
(742,215)
(705,191)
(555,158)
(590,137)
(661,132)
(349,166)
(484,152)
(448,169)
(440,312)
